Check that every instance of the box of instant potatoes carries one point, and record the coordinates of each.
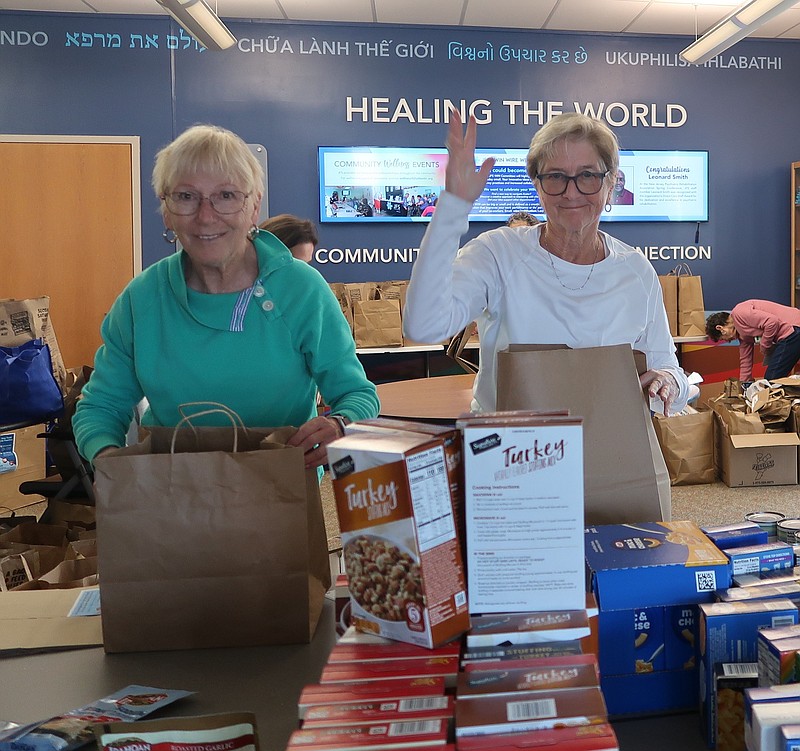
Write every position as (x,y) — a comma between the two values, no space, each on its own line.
(401,551)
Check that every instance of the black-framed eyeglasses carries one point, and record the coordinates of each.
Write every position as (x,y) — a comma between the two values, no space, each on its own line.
(187,202)
(556,183)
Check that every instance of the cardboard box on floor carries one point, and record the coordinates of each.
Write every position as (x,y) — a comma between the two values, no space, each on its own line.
(22,457)
(749,457)
(625,477)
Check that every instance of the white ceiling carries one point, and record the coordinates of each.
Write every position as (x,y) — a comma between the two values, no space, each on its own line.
(683,17)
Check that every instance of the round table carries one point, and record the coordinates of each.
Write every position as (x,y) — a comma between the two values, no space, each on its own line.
(438,399)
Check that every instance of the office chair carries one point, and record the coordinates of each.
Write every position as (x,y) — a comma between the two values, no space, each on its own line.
(74,475)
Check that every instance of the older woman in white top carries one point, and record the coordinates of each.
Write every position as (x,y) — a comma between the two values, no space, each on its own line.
(560,282)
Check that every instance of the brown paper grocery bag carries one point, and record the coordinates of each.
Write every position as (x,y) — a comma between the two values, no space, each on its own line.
(691,308)
(209,546)
(687,442)
(625,477)
(669,291)
(376,323)
(343,297)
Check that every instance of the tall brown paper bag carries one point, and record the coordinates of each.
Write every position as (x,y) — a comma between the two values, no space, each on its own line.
(208,546)
(691,307)
(669,292)
(625,477)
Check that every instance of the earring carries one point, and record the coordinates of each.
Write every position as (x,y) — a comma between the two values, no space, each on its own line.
(169,236)
(252,232)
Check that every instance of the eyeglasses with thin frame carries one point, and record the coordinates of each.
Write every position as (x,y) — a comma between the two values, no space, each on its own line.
(556,183)
(187,202)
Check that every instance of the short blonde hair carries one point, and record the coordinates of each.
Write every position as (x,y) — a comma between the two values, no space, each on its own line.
(207,148)
(573,126)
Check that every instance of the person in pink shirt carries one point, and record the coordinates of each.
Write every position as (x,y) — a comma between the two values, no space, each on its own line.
(777,326)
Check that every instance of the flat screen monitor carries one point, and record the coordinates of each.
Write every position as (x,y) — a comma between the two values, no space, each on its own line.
(402,184)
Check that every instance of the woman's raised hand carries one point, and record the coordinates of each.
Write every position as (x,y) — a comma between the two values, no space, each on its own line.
(461,178)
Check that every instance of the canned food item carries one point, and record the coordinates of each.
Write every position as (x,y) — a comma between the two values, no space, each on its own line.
(789,531)
(767,520)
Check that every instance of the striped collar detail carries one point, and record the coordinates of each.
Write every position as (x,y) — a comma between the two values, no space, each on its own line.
(240,308)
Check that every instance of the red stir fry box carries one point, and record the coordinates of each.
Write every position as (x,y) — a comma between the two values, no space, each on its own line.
(358,693)
(368,712)
(481,679)
(348,672)
(529,710)
(580,738)
(391,735)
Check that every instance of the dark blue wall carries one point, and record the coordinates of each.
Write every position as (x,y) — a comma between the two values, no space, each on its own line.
(286,87)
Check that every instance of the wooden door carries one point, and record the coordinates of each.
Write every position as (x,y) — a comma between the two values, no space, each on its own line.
(70,228)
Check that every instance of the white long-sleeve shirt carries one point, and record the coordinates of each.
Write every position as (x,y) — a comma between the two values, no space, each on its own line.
(504,280)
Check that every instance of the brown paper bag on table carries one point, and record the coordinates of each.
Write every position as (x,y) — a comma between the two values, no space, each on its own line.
(691,308)
(625,477)
(376,323)
(213,545)
(455,348)
(343,296)
(687,443)
(669,291)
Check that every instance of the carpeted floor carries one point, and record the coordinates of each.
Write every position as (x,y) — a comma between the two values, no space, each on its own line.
(710,504)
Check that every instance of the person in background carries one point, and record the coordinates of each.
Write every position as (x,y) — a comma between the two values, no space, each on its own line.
(299,235)
(621,196)
(559,282)
(230,318)
(522,219)
(778,327)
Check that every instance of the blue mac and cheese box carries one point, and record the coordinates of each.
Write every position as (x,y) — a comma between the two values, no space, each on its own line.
(736,535)
(653,564)
(648,579)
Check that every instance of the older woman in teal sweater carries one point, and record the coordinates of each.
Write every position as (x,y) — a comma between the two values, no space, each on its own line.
(231,318)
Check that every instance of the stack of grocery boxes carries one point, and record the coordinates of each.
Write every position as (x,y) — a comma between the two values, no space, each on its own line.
(397,491)
(403,510)
(731,632)
(376,694)
(529,677)
(649,579)
(524,657)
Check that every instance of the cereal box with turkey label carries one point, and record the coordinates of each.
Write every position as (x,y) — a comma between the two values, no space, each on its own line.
(523,491)
(401,552)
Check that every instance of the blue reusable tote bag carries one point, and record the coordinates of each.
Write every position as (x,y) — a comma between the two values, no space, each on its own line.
(28,390)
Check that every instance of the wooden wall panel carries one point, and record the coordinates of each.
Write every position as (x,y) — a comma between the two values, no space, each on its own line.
(70,229)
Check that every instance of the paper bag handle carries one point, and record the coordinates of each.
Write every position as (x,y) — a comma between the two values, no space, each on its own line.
(216,408)
(682,269)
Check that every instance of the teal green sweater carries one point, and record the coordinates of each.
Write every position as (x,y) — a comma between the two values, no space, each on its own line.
(174,345)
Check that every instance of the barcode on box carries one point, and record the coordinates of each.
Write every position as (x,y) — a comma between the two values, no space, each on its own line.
(531,710)
(414,728)
(739,669)
(706,581)
(460,598)
(428,702)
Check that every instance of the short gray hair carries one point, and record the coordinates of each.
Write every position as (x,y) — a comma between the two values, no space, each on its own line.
(573,126)
(207,148)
